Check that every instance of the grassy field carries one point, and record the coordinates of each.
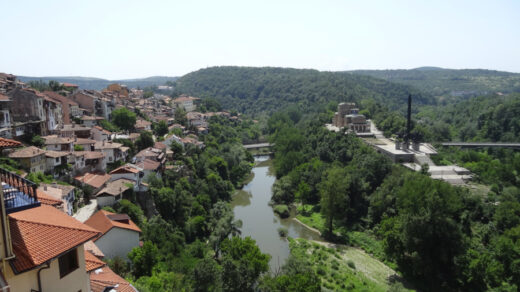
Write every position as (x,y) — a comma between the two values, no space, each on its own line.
(344,268)
(364,240)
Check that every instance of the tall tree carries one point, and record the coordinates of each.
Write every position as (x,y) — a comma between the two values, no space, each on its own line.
(123,118)
(334,195)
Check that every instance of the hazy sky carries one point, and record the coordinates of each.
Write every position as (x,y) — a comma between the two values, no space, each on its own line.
(127,39)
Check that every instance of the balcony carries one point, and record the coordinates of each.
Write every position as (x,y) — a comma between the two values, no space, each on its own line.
(19,193)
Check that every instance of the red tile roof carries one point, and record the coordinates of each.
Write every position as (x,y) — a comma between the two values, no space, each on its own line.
(148,164)
(7,143)
(100,221)
(95,180)
(44,233)
(160,145)
(125,169)
(105,277)
(92,262)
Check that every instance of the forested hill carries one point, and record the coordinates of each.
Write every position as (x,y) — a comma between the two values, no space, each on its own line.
(447,83)
(98,83)
(255,90)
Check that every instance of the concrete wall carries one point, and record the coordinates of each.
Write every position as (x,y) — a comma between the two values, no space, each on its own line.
(118,242)
(50,278)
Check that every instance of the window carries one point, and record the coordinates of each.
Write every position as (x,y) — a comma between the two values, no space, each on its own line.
(57,159)
(68,263)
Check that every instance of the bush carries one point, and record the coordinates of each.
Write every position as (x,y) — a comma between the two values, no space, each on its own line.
(282,210)
(282,231)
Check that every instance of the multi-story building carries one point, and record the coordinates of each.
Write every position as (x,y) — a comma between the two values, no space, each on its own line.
(31,159)
(348,117)
(44,247)
(69,107)
(113,151)
(188,103)
(5,116)
(27,112)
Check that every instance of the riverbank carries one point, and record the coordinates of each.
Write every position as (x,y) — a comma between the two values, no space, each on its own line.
(343,267)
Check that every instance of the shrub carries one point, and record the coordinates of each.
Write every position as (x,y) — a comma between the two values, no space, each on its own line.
(282,210)
(282,231)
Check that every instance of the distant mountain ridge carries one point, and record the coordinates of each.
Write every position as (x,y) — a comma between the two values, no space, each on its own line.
(256,90)
(448,83)
(99,83)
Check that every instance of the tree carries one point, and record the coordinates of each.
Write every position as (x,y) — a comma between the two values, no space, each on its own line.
(242,263)
(222,225)
(425,238)
(123,118)
(180,116)
(144,141)
(177,149)
(296,275)
(144,259)
(38,141)
(207,276)
(334,195)
(160,129)
(132,210)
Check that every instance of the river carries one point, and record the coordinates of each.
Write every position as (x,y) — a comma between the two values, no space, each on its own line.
(258,219)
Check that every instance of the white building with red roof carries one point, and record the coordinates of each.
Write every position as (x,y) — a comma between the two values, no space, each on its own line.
(119,234)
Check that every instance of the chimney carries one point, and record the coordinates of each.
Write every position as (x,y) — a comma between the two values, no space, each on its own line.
(408,123)
(45,188)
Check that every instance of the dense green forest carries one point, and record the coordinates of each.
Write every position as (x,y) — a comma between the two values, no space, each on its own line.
(493,118)
(450,83)
(438,236)
(266,90)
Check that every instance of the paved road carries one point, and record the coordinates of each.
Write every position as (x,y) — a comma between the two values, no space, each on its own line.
(86,211)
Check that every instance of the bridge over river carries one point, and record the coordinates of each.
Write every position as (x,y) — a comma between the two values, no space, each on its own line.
(482,144)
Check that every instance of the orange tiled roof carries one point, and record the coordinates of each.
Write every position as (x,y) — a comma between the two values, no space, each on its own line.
(43,233)
(125,169)
(105,277)
(101,222)
(92,262)
(5,143)
(95,180)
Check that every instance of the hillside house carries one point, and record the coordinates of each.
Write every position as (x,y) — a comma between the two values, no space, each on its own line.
(100,134)
(57,162)
(119,234)
(188,103)
(113,151)
(63,193)
(113,192)
(96,181)
(143,125)
(31,159)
